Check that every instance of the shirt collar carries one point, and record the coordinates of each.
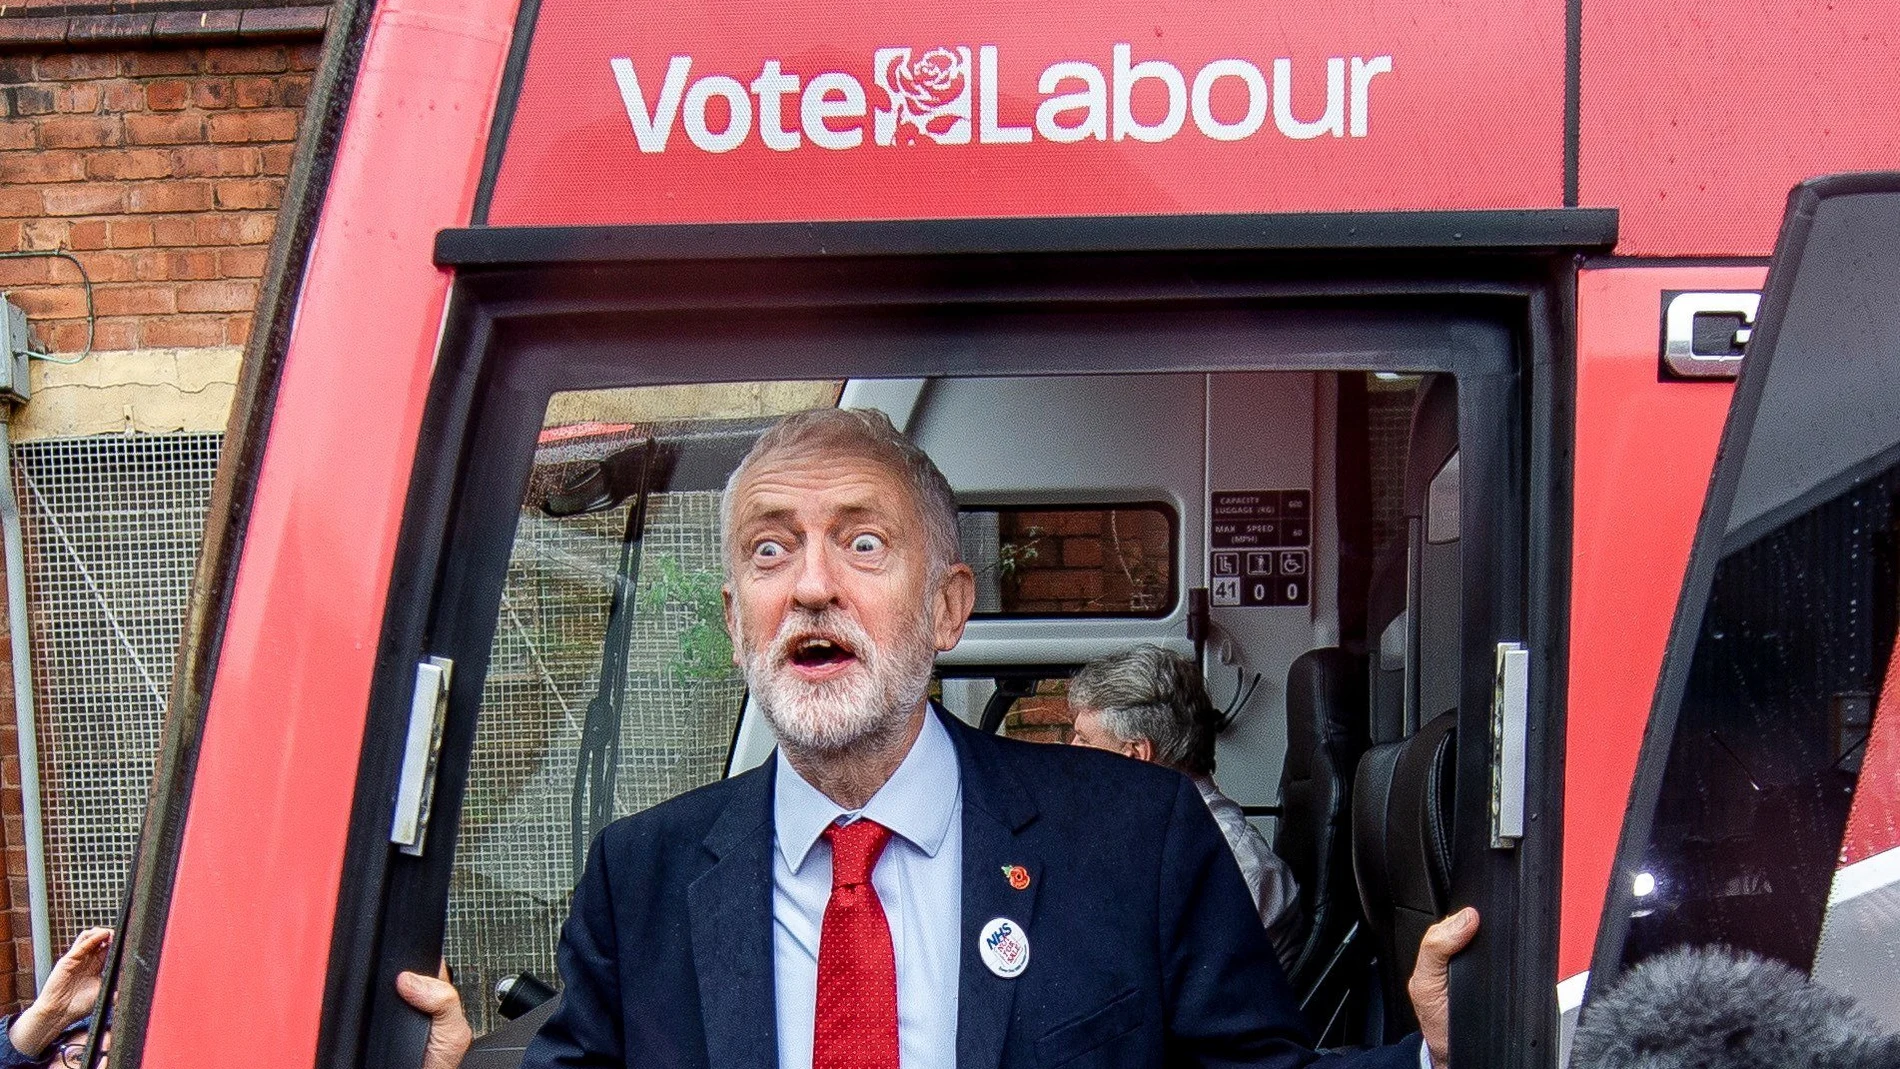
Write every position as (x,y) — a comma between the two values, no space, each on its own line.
(911,803)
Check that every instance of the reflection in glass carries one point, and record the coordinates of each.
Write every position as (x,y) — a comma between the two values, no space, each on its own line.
(1041,560)
(1772,730)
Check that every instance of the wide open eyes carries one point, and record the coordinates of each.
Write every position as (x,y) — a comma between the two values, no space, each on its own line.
(866,543)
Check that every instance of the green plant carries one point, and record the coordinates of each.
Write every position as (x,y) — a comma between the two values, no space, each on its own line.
(705,650)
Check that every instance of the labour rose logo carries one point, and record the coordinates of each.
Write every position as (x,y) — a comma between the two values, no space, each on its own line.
(931,93)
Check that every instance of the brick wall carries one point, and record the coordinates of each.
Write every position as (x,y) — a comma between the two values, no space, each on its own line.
(160,170)
(1085,560)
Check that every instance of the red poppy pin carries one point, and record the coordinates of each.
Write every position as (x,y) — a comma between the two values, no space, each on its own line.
(1017,875)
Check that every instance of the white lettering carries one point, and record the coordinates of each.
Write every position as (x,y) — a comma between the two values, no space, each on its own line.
(1200,99)
(1125,78)
(990,131)
(1094,99)
(651,129)
(771,86)
(1363,71)
(1332,122)
(832,96)
(738,122)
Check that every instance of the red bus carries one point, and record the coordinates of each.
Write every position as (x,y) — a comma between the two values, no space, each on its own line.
(1379,354)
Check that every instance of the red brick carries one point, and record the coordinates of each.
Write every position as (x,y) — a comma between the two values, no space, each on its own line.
(106,267)
(89,234)
(1082,553)
(273,125)
(122,95)
(11,233)
(45,234)
(18,201)
(173,196)
(226,296)
(237,329)
(64,66)
(161,265)
(21,32)
(294,91)
(275,159)
(114,334)
(18,134)
(183,128)
(10,770)
(1060,586)
(131,163)
(164,62)
(170,94)
(80,98)
(211,93)
(246,262)
(25,271)
(50,302)
(248,194)
(63,165)
(135,300)
(6,948)
(66,335)
(79,131)
(129,234)
(305,57)
(184,331)
(29,100)
(174,230)
(254,92)
(255,228)
(255,59)
(15,867)
(216,161)
(87,198)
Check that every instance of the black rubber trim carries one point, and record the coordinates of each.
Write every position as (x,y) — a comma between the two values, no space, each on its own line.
(1581,229)
(1710,545)
(503,123)
(1573,101)
(246,435)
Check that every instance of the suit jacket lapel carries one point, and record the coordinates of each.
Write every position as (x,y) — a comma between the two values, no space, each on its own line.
(995,809)
(731,909)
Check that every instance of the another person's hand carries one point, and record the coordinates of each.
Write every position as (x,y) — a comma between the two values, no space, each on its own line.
(1430,987)
(66,997)
(449,1033)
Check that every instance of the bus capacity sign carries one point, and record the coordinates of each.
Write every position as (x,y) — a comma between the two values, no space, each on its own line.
(697,112)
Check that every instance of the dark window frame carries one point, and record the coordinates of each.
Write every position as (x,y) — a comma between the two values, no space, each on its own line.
(516,334)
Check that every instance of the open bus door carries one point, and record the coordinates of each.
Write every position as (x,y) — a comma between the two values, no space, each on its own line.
(1766,810)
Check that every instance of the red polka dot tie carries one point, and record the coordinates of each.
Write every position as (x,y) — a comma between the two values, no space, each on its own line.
(856,1024)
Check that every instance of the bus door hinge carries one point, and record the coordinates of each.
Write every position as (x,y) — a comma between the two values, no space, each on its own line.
(415,790)
(1510,715)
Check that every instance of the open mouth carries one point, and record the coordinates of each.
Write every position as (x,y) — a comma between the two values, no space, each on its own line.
(819,656)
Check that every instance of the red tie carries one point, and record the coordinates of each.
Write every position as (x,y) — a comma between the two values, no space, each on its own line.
(856,1024)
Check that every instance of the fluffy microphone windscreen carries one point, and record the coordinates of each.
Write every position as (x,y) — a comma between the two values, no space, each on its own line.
(1717,1008)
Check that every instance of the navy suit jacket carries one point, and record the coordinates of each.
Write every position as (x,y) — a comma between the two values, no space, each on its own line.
(1145,948)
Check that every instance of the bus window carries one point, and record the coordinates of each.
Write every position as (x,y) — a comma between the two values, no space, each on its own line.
(610,682)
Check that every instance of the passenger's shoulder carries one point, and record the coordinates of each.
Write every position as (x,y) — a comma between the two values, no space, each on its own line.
(1078,776)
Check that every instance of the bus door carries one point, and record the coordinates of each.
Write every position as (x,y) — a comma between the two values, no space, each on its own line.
(1765,814)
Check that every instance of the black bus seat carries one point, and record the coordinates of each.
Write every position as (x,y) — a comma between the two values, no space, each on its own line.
(1401,851)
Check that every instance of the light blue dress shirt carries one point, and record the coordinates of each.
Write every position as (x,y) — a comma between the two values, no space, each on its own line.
(919,881)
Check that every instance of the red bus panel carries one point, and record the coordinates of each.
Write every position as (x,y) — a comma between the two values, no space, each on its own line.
(812,110)
(1697,118)
(1645,448)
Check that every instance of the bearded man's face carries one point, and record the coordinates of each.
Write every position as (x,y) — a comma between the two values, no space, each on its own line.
(834,609)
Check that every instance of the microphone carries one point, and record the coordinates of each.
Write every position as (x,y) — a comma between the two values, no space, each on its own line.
(1720,1008)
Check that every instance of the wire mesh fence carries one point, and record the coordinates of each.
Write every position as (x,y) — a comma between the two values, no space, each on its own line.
(113,526)
(514,865)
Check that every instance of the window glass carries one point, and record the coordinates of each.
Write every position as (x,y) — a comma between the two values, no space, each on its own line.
(1086,560)
(610,685)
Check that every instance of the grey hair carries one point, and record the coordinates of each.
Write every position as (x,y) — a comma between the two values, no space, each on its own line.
(869,434)
(1156,694)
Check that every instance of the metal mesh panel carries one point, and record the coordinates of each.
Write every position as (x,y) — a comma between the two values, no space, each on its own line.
(112,526)
(513,871)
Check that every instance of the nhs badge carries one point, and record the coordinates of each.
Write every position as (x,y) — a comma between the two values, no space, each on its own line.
(1005,948)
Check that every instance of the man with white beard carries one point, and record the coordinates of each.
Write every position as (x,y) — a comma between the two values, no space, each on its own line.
(894,888)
